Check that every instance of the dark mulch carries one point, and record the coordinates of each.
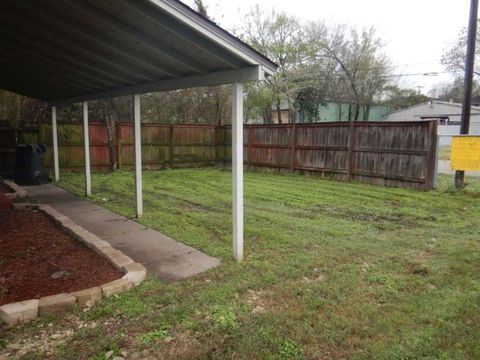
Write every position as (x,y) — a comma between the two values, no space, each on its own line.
(33,249)
(5,188)
(5,202)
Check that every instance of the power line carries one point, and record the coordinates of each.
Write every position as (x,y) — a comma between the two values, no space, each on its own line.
(433,73)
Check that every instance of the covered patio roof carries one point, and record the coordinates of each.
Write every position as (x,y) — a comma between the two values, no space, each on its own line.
(66,51)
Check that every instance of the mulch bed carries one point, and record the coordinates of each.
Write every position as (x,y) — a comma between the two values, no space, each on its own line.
(37,258)
(5,188)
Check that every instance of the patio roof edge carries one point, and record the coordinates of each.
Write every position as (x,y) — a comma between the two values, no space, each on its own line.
(251,73)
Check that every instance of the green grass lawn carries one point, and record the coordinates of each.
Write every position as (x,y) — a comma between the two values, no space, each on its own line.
(332,270)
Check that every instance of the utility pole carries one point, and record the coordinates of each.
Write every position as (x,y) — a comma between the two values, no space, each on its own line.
(469,63)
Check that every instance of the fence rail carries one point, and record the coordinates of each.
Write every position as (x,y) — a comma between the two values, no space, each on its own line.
(385,153)
(401,154)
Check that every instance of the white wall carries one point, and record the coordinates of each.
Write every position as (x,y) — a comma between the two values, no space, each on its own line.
(446,131)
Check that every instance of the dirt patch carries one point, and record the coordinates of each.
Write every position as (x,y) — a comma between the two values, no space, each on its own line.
(37,258)
(260,300)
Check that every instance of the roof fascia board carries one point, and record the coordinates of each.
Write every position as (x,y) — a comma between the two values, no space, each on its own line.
(215,33)
(251,73)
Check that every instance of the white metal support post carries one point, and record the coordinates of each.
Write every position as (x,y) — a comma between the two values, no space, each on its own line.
(237,169)
(55,144)
(86,149)
(138,156)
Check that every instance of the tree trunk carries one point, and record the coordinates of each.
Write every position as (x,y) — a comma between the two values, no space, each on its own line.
(357,112)
(290,112)
(217,109)
(279,112)
(109,120)
(267,115)
(367,113)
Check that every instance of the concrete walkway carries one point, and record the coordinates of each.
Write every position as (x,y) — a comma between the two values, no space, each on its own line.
(170,260)
(444,168)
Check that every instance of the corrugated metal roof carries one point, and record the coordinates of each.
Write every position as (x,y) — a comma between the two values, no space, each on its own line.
(72,50)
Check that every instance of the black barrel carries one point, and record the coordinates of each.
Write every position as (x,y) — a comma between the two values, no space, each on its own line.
(29,169)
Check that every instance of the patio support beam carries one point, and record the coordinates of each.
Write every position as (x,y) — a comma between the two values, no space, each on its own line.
(237,169)
(86,149)
(138,156)
(249,73)
(56,170)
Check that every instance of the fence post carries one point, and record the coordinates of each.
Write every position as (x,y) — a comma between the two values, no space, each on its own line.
(215,143)
(249,142)
(224,145)
(293,151)
(437,154)
(431,158)
(119,145)
(170,146)
(351,152)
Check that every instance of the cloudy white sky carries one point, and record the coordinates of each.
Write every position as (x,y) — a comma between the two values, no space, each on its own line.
(416,32)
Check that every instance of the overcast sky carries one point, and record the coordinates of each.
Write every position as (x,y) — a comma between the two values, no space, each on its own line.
(416,32)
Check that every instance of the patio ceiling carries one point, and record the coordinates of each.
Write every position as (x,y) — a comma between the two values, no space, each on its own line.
(65,51)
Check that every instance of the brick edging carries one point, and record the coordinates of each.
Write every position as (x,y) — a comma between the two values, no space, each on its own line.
(18,192)
(134,274)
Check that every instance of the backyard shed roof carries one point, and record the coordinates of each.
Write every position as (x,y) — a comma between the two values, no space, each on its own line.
(65,51)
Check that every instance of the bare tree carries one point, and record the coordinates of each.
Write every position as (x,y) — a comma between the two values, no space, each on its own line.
(18,110)
(397,97)
(201,8)
(281,38)
(109,119)
(355,62)
(454,57)
(452,91)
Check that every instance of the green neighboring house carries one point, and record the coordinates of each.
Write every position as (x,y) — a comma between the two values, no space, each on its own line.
(327,111)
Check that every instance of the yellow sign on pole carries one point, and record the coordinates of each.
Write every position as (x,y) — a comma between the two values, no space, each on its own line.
(465,153)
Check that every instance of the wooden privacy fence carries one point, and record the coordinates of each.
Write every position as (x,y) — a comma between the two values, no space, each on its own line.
(399,154)
(162,145)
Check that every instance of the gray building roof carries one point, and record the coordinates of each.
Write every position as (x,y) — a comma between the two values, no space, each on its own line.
(456,108)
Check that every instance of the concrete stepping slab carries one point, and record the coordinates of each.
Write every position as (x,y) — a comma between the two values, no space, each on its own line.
(150,245)
(168,259)
(105,224)
(182,266)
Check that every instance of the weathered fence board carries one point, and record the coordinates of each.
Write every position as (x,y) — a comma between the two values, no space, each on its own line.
(385,153)
(162,145)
